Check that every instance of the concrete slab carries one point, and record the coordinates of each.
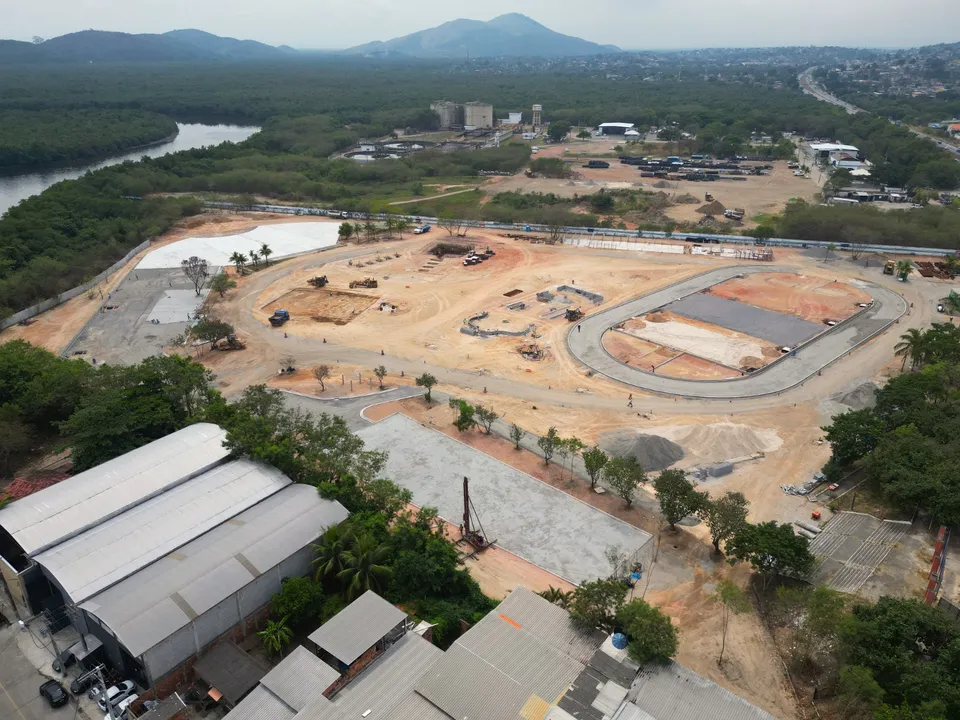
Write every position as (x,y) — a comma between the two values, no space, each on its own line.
(283,238)
(526,516)
(176,306)
(20,684)
(778,328)
(124,334)
(852,547)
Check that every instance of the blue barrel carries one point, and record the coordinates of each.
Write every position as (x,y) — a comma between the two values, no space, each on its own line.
(619,641)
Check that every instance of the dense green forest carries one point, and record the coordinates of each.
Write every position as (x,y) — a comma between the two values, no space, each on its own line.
(43,137)
(312,109)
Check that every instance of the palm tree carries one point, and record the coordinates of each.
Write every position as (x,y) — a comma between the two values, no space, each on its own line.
(904,268)
(239,260)
(913,345)
(329,552)
(557,596)
(266,252)
(275,636)
(365,566)
(255,258)
(952,265)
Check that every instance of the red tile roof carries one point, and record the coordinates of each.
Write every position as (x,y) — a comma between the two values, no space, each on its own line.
(21,487)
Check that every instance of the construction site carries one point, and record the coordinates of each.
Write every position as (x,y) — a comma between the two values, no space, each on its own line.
(511,331)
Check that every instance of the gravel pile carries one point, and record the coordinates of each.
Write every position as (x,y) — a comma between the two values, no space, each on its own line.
(652,451)
(861,397)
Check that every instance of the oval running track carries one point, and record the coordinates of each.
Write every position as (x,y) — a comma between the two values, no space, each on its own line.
(586,345)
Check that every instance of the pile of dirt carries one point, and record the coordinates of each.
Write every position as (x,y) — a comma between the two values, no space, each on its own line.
(651,451)
(657,317)
(662,184)
(720,441)
(712,208)
(861,397)
(686,199)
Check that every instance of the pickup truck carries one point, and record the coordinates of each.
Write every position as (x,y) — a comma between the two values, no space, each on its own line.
(420,230)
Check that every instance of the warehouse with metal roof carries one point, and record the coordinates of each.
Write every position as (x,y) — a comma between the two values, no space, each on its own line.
(161,551)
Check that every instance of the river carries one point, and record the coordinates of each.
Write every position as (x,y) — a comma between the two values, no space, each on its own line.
(15,188)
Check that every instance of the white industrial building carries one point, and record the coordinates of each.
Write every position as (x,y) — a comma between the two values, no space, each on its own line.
(615,128)
(156,554)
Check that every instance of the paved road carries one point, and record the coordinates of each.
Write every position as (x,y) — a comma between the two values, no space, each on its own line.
(20,685)
(585,342)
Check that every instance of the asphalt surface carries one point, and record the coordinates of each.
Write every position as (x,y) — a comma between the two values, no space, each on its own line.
(585,342)
(20,685)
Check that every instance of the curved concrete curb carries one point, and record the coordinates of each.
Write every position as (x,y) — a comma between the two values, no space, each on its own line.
(781,375)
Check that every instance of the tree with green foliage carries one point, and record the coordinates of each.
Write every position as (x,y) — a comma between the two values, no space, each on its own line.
(211,330)
(426,381)
(197,271)
(595,604)
(551,168)
(652,635)
(583,135)
(853,435)
(516,435)
(912,346)
(549,444)
(860,694)
(677,496)
(724,516)
(466,414)
(221,283)
(380,372)
(486,417)
(813,617)
(265,253)
(255,258)
(275,636)
(904,269)
(623,475)
(239,261)
(345,232)
(733,601)
(365,566)
(300,600)
(558,130)
(594,460)
(557,596)
(328,552)
(771,549)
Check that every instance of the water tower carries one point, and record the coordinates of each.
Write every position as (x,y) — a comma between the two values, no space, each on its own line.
(537,116)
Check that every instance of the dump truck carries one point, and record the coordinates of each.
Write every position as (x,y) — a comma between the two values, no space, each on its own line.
(889,268)
(734,214)
(279,317)
(574,315)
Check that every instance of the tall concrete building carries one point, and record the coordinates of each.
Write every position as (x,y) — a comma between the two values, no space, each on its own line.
(471,115)
(477,115)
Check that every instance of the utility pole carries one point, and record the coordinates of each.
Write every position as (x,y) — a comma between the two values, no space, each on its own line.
(103,692)
(56,650)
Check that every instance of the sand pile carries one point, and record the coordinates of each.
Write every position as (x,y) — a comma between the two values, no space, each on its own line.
(711,208)
(662,184)
(720,441)
(686,199)
(861,397)
(651,451)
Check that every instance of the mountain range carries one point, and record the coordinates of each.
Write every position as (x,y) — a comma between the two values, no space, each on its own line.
(101,46)
(511,35)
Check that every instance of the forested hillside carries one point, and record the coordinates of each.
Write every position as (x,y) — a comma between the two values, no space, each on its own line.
(46,136)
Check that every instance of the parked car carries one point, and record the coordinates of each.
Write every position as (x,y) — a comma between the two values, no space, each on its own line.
(66,659)
(54,693)
(420,230)
(116,694)
(83,683)
(120,709)
(833,487)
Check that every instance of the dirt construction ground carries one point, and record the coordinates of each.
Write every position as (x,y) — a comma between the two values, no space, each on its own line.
(810,298)
(423,335)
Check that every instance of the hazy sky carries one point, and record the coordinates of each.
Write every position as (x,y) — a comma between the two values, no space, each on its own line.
(631,24)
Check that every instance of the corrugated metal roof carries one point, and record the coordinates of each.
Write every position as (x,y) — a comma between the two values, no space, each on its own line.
(550,623)
(416,707)
(358,627)
(261,704)
(61,511)
(101,556)
(300,678)
(523,654)
(463,685)
(230,670)
(617,125)
(672,692)
(388,681)
(148,606)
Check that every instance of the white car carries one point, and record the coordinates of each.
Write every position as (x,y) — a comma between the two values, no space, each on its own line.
(116,694)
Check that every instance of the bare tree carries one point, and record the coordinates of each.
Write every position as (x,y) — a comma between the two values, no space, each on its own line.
(196,270)
(321,373)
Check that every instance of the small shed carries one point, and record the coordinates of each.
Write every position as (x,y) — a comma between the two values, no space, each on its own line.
(230,672)
(367,622)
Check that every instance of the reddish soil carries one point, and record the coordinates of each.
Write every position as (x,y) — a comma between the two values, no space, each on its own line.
(806,296)
(694,368)
(633,350)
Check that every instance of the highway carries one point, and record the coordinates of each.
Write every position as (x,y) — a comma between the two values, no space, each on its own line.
(811,87)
